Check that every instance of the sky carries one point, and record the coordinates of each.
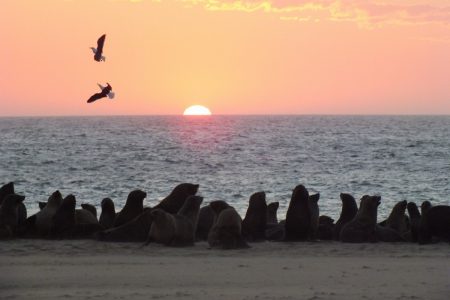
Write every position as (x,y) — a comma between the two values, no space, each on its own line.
(234,57)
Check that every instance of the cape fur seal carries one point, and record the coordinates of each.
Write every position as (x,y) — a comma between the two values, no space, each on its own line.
(362,228)
(435,222)
(108,214)
(348,212)
(425,206)
(134,231)
(313,208)
(396,219)
(255,220)
(272,209)
(90,208)
(175,200)
(43,219)
(176,229)
(298,220)
(63,221)
(133,208)
(414,218)
(326,228)
(9,215)
(226,232)
(205,222)
(6,190)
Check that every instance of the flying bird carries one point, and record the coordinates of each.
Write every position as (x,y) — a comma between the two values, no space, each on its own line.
(106,92)
(99,51)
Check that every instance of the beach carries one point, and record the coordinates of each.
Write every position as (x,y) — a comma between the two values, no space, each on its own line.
(87,269)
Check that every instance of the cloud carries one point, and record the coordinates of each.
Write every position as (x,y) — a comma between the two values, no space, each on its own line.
(365,13)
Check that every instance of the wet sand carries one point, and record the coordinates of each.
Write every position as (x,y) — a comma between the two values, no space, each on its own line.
(85,269)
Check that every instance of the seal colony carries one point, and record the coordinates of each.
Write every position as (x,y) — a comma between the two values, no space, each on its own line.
(179,220)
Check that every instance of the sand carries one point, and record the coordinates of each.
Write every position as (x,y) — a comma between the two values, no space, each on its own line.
(84,269)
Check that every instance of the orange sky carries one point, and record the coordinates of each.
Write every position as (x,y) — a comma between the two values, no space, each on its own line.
(235,57)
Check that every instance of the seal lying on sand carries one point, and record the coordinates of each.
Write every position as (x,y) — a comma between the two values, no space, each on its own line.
(108,214)
(43,219)
(133,208)
(348,212)
(90,208)
(298,220)
(63,221)
(226,232)
(362,228)
(9,215)
(205,222)
(435,222)
(176,229)
(176,198)
(255,221)
(326,228)
(313,208)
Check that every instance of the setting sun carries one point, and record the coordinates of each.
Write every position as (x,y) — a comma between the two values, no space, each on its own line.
(197,110)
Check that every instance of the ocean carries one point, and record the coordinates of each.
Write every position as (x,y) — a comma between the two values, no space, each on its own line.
(231,157)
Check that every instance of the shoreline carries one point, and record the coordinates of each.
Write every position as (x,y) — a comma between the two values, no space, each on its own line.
(88,269)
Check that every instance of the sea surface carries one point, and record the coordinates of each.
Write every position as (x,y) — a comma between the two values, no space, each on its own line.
(231,157)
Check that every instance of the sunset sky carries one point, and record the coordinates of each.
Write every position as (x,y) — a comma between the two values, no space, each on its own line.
(234,57)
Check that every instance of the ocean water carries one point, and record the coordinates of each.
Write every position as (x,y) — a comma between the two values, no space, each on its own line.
(231,157)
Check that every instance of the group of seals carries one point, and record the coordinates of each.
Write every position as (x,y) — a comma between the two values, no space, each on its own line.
(178,220)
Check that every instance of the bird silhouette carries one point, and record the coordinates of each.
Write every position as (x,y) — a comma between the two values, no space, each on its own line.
(99,51)
(106,92)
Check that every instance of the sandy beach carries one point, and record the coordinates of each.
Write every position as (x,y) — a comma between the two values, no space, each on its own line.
(85,269)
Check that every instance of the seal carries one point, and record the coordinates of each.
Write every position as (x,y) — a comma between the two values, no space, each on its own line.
(313,208)
(9,215)
(255,220)
(133,208)
(435,222)
(396,219)
(226,232)
(176,230)
(425,206)
(108,214)
(298,220)
(363,226)
(205,222)
(414,217)
(43,219)
(326,228)
(134,231)
(6,190)
(348,212)
(175,200)
(272,209)
(42,204)
(90,208)
(63,221)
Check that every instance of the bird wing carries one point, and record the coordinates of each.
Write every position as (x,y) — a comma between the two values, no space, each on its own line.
(100,43)
(95,97)
(100,86)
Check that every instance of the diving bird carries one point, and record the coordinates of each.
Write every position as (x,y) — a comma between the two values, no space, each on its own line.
(99,51)
(106,92)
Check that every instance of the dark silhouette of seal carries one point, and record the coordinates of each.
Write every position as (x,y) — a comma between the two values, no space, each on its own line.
(205,222)
(298,220)
(363,226)
(134,231)
(435,222)
(43,219)
(414,217)
(425,206)
(9,215)
(5,190)
(63,221)
(108,214)
(178,229)
(326,228)
(177,197)
(396,219)
(272,209)
(133,208)
(42,204)
(348,212)
(313,208)
(90,208)
(255,220)
(226,232)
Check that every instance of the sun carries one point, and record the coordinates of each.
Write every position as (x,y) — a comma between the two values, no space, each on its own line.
(197,110)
